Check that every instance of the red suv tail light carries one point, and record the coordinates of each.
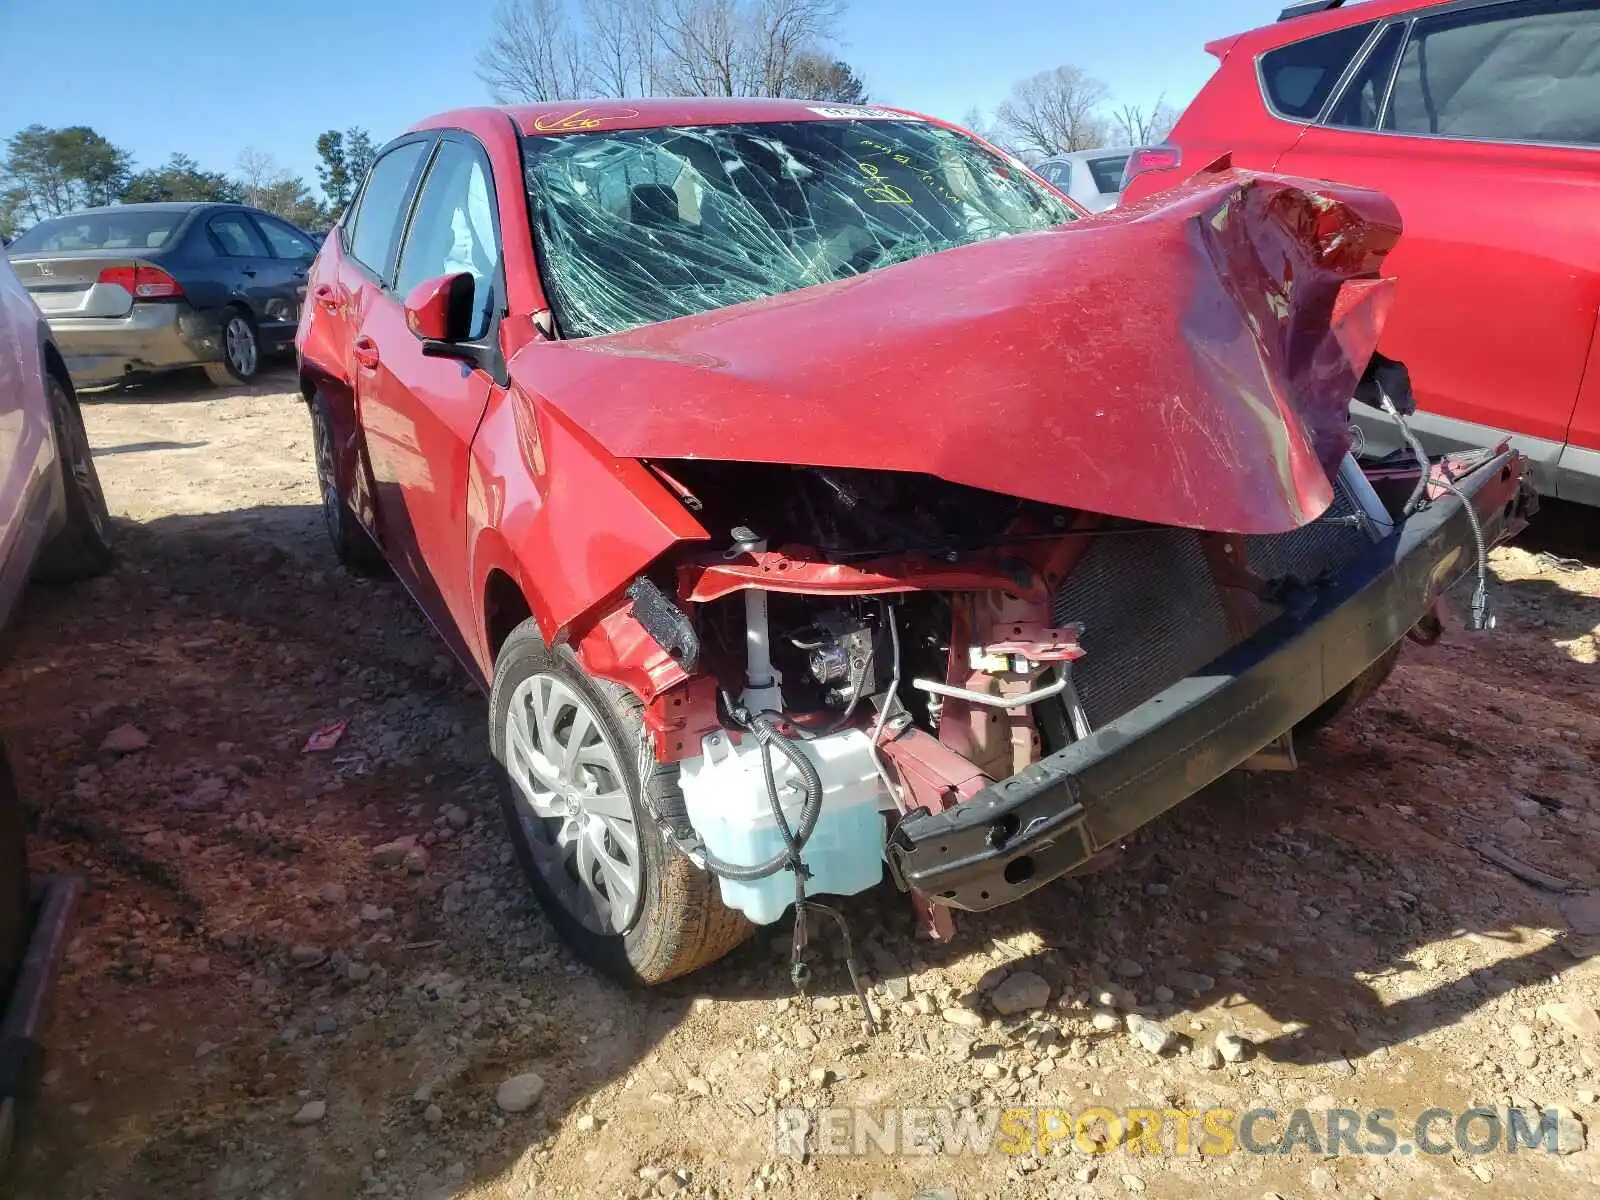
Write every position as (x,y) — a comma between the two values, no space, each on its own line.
(1165,157)
(143,282)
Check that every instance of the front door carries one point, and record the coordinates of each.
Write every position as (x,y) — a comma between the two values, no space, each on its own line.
(421,413)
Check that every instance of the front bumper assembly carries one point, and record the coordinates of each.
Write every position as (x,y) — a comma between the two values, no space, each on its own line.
(1052,817)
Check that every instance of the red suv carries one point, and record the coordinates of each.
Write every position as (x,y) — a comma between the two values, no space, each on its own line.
(814,490)
(1481,120)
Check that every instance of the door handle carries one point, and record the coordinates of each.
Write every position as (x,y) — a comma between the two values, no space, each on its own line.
(366,351)
(323,294)
(250,271)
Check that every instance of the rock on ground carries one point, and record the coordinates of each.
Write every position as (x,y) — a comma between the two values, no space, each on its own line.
(519,1093)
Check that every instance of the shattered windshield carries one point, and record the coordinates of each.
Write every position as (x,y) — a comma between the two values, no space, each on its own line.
(644,225)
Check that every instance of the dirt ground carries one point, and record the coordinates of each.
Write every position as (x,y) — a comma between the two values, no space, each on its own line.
(258,1002)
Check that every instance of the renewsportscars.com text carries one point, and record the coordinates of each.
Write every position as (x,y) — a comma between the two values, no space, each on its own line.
(1155,1131)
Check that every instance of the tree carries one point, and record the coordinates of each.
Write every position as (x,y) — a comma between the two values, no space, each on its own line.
(55,171)
(333,173)
(180,178)
(359,153)
(1055,112)
(986,129)
(745,47)
(536,51)
(265,185)
(623,53)
(533,55)
(258,171)
(289,197)
(1136,127)
(814,77)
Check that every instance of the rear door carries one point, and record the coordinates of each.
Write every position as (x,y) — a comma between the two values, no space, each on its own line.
(292,255)
(1482,122)
(247,271)
(421,412)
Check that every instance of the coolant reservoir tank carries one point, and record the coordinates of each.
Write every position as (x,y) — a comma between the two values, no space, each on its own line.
(725,794)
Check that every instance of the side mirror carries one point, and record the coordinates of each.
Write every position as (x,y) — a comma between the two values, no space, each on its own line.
(440,311)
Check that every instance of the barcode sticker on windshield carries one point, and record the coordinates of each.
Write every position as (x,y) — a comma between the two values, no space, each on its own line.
(862,113)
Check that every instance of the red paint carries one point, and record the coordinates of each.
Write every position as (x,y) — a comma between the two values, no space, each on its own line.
(1157,365)
(1499,257)
(1020,365)
(428,307)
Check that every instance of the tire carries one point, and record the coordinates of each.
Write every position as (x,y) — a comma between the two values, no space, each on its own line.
(1356,693)
(675,921)
(241,350)
(352,544)
(83,548)
(13,880)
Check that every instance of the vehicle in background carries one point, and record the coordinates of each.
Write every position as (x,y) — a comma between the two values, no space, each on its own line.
(53,527)
(1480,119)
(812,487)
(1091,177)
(140,288)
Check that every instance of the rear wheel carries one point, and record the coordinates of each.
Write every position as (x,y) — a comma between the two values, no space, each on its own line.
(352,544)
(582,798)
(241,350)
(83,547)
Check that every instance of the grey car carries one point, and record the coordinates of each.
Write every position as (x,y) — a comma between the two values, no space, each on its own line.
(139,288)
(1091,177)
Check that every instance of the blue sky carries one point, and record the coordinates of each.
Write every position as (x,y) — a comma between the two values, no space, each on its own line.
(158,76)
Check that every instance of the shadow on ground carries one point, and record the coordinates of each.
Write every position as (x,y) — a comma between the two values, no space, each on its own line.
(229,637)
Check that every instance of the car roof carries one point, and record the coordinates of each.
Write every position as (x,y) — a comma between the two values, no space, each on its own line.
(587,116)
(1294,28)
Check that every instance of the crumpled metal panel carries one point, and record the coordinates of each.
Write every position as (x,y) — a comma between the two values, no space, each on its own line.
(1187,362)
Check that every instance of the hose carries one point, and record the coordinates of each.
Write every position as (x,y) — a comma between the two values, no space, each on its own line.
(760,724)
(1480,597)
(1417,452)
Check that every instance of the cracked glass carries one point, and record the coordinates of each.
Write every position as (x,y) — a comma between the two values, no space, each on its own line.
(639,226)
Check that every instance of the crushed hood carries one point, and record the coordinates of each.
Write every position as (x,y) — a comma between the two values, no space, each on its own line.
(1187,362)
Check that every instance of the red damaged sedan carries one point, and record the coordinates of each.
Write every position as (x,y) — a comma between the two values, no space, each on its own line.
(817,493)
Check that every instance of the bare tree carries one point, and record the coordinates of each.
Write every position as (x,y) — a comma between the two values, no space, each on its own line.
(1055,112)
(1136,127)
(533,55)
(745,47)
(258,172)
(703,47)
(784,35)
(623,48)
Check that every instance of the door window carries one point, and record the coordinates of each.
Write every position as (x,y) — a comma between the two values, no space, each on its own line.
(235,237)
(1362,102)
(454,230)
(1301,76)
(1107,173)
(375,225)
(286,242)
(1526,72)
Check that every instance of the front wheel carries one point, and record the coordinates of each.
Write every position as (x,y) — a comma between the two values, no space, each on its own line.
(83,547)
(241,351)
(582,793)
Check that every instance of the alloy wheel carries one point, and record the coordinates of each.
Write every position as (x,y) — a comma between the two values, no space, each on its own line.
(239,342)
(572,799)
